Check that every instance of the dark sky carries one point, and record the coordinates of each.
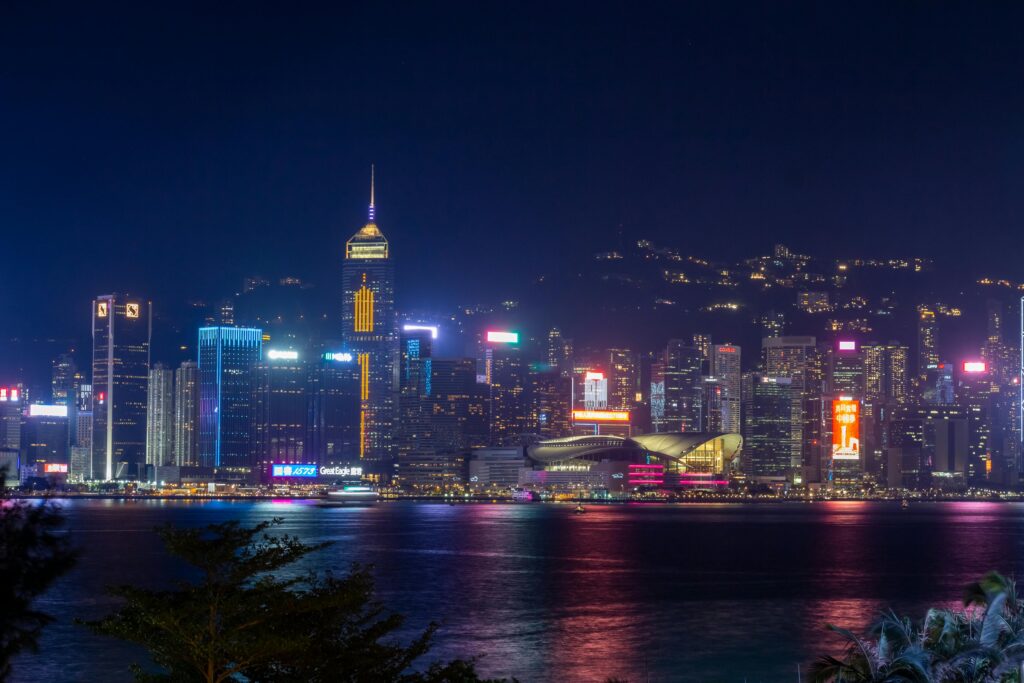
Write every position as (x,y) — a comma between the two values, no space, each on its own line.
(169,150)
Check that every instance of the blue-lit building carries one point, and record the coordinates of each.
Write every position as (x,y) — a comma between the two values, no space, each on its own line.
(370,332)
(227,358)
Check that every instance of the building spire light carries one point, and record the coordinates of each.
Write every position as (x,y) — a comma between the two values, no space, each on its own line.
(373,210)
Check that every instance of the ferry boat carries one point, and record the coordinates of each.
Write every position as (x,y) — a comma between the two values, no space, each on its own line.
(352,494)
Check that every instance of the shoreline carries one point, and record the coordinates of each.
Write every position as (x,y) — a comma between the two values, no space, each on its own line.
(440,500)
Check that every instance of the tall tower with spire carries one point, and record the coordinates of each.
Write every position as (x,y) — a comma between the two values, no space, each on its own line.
(370,332)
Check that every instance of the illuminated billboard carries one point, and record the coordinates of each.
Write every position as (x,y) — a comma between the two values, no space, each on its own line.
(339,356)
(847,345)
(8,393)
(55,468)
(845,429)
(410,327)
(275,354)
(600,415)
(975,366)
(503,337)
(294,470)
(341,471)
(39,410)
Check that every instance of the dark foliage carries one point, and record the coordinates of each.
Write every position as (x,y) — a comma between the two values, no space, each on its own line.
(251,616)
(33,554)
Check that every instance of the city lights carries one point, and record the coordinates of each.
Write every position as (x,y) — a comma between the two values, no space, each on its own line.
(410,327)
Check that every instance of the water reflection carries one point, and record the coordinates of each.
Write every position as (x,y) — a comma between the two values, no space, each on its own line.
(645,592)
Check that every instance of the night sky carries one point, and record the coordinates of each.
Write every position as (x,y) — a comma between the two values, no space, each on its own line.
(169,151)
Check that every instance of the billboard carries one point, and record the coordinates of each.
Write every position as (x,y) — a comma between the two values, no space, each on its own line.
(847,345)
(39,410)
(411,327)
(276,354)
(294,470)
(845,429)
(55,468)
(600,416)
(503,337)
(975,366)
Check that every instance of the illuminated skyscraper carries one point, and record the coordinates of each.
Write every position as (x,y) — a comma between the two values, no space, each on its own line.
(121,330)
(280,409)
(370,331)
(65,380)
(227,356)
(725,368)
(684,387)
(186,414)
(509,406)
(160,416)
(886,373)
(797,358)
(623,379)
(927,340)
(767,428)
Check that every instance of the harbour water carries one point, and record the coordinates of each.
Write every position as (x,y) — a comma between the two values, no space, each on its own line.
(724,592)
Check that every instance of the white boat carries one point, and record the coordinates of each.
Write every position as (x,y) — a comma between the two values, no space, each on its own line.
(354,494)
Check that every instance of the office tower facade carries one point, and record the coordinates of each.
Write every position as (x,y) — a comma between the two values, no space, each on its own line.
(927,340)
(559,351)
(160,416)
(703,344)
(550,404)
(683,379)
(974,395)
(280,424)
(186,415)
(768,428)
(507,407)
(64,381)
(226,359)
(886,373)
(121,332)
(11,408)
(623,379)
(370,331)
(725,368)
(845,374)
(45,435)
(797,357)
(334,408)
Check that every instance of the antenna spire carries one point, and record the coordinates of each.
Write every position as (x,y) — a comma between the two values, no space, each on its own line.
(373,209)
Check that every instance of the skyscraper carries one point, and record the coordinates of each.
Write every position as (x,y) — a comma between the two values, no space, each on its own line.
(370,331)
(725,368)
(623,379)
(64,381)
(767,428)
(335,408)
(226,359)
(186,414)
(280,409)
(121,331)
(797,358)
(508,407)
(683,387)
(160,416)
(927,340)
